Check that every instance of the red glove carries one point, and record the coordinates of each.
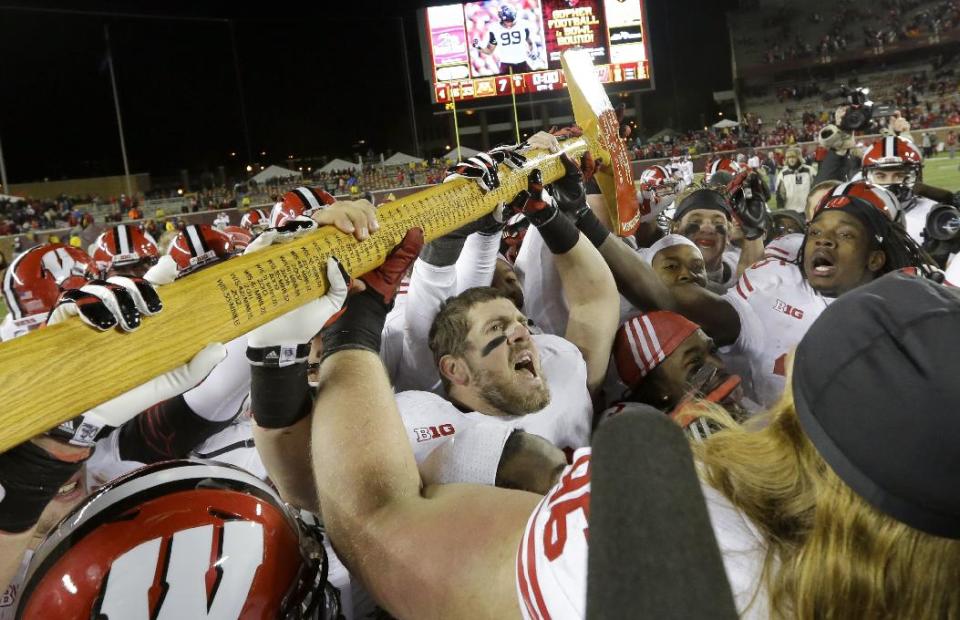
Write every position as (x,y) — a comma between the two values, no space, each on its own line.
(385,279)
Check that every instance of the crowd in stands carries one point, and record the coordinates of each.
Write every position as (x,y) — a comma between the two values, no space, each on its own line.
(375,177)
(822,30)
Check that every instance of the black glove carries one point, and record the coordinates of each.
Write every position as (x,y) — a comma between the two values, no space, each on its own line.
(558,232)
(568,190)
(748,199)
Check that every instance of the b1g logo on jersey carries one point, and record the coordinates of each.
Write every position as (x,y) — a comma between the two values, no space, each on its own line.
(781,306)
(185,576)
(427,433)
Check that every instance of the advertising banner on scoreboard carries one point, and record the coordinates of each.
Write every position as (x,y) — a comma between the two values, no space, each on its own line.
(625,24)
(574,24)
(496,48)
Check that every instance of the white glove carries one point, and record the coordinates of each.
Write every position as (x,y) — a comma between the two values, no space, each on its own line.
(545,141)
(104,305)
(481,168)
(264,239)
(144,295)
(115,412)
(285,340)
(509,154)
(164,272)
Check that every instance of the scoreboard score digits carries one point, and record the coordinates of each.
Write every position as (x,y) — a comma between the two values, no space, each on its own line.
(497,47)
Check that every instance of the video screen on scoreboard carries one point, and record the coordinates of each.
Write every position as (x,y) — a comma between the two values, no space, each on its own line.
(498,47)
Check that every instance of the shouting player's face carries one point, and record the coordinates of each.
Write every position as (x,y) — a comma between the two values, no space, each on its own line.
(502,361)
(708,229)
(838,254)
(680,264)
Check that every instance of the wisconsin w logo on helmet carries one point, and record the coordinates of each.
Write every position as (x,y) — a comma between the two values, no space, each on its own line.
(177,540)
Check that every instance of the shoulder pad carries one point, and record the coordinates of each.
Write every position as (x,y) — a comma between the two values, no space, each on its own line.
(766,275)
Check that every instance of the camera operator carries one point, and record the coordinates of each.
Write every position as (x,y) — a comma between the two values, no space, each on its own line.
(856,114)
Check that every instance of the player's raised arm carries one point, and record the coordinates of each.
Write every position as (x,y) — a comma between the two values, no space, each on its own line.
(587,282)
(393,535)
(643,288)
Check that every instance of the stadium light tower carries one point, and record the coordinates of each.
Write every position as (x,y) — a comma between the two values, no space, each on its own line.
(3,173)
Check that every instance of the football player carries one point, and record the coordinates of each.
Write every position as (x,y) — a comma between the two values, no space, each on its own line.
(509,40)
(852,240)
(34,281)
(896,164)
(492,367)
(255,221)
(478,551)
(705,217)
(665,361)
(185,519)
(125,250)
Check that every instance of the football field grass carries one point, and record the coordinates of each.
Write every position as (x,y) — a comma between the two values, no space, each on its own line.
(939,171)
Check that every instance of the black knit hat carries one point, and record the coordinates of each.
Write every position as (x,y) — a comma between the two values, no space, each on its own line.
(877,389)
(702,199)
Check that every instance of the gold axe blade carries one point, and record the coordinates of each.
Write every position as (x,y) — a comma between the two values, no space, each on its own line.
(595,115)
(58,372)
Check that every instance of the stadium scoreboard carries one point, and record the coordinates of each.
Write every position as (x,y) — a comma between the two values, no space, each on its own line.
(497,48)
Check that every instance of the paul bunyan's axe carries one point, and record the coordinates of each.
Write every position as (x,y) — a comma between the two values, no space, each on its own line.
(58,372)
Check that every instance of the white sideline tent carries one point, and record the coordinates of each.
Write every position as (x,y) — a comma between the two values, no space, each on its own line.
(338,164)
(274,172)
(465,151)
(401,159)
(725,124)
(660,135)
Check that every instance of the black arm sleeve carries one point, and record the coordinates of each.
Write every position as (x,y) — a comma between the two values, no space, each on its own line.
(836,167)
(493,39)
(168,430)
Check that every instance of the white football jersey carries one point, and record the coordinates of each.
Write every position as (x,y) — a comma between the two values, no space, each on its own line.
(552,561)
(544,302)
(776,307)
(511,43)
(785,248)
(915,216)
(565,422)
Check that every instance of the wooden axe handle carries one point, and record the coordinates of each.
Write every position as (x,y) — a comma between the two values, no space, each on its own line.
(58,372)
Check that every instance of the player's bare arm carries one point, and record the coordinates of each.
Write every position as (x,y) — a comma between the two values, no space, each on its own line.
(395,536)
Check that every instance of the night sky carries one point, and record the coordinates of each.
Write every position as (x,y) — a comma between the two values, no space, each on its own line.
(316,80)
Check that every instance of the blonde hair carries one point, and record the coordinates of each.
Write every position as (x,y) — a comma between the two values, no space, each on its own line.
(829,553)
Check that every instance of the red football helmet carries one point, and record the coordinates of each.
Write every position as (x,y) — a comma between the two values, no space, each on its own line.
(878,196)
(659,187)
(893,154)
(180,539)
(254,220)
(33,283)
(199,245)
(723,165)
(124,246)
(298,201)
(240,237)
